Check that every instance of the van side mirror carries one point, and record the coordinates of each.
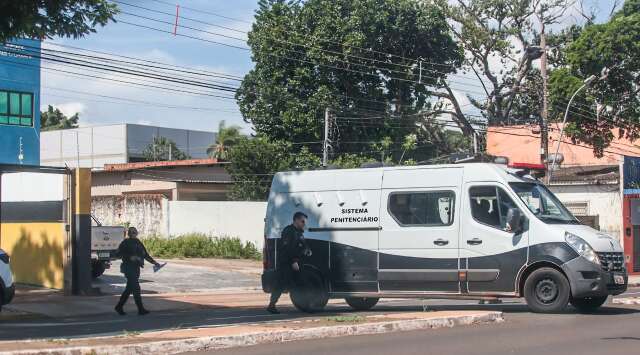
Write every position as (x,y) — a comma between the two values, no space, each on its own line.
(514,219)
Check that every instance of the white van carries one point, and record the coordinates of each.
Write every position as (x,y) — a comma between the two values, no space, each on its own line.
(442,231)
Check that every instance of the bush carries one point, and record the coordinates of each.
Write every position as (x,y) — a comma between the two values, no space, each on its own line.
(198,245)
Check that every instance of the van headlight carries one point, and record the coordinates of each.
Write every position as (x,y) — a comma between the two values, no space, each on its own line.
(581,247)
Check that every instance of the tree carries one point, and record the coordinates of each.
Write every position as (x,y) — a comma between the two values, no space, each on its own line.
(45,19)
(356,57)
(226,138)
(501,40)
(53,119)
(611,104)
(253,161)
(163,149)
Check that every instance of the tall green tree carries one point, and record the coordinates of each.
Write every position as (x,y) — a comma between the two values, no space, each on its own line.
(501,40)
(46,18)
(611,104)
(226,138)
(253,161)
(53,119)
(163,149)
(356,57)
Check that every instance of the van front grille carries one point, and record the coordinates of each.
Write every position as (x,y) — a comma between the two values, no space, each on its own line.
(611,261)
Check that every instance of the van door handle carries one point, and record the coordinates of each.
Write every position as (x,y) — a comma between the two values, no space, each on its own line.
(474,241)
(440,242)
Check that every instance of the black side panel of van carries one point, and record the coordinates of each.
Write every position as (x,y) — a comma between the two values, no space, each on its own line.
(319,257)
(353,269)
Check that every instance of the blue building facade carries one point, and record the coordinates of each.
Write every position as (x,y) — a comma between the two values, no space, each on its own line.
(20,102)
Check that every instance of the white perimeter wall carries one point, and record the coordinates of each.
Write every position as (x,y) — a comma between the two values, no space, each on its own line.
(603,200)
(218,218)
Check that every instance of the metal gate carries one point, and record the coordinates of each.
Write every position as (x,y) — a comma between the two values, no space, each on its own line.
(44,225)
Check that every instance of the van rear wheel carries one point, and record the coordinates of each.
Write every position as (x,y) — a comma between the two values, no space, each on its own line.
(361,303)
(309,294)
(588,304)
(547,290)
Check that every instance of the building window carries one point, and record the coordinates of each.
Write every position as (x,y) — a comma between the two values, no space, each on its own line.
(433,208)
(16,108)
(577,208)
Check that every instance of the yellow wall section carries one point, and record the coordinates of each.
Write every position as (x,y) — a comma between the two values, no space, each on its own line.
(37,252)
(83,191)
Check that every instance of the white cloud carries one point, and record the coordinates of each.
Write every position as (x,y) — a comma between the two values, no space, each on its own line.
(158,55)
(67,108)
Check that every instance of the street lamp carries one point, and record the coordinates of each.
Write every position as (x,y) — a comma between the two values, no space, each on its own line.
(586,83)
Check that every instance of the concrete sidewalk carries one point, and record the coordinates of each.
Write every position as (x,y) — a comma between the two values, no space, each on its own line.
(56,305)
(47,303)
(211,338)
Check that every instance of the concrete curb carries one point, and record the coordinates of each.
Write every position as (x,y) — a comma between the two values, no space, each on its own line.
(626,300)
(276,336)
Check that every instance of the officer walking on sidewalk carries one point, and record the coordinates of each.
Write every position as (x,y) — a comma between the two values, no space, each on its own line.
(133,254)
(290,249)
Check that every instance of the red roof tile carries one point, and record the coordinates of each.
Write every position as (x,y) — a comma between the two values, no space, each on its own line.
(160,164)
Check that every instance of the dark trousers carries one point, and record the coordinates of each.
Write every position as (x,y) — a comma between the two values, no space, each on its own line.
(133,287)
(284,280)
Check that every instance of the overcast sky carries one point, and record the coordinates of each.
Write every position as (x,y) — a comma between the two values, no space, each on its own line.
(77,94)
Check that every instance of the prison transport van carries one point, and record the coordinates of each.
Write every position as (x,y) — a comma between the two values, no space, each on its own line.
(441,231)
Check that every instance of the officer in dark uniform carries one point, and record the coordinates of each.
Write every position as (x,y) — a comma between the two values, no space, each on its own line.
(290,249)
(133,254)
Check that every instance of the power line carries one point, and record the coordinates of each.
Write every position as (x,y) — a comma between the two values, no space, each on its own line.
(132,102)
(179,68)
(412,67)
(284,57)
(117,80)
(385,54)
(122,70)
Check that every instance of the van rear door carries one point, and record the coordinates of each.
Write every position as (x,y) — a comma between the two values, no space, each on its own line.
(418,241)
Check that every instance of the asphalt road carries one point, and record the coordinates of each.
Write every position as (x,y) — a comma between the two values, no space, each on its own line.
(620,321)
(178,277)
(614,330)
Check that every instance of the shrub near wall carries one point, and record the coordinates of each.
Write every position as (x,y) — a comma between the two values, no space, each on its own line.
(201,246)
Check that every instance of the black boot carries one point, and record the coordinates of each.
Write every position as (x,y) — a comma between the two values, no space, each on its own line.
(141,310)
(119,310)
(272,309)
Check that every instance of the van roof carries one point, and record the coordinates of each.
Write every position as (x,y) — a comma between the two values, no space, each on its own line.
(371,178)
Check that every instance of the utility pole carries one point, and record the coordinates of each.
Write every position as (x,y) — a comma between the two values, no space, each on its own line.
(475,143)
(77,149)
(325,144)
(544,116)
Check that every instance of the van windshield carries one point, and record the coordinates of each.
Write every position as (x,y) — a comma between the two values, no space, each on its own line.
(543,203)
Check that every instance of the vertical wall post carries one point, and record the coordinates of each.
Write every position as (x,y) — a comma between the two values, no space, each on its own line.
(69,224)
(81,245)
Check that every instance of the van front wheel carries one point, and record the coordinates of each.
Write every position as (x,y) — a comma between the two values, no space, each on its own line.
(547,290)
(361,303)
(588,304)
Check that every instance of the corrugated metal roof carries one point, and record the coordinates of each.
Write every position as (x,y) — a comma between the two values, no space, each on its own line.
(586,174)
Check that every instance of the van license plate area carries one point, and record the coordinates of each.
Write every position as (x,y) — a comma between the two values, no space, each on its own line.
(618,279)
(106,255)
